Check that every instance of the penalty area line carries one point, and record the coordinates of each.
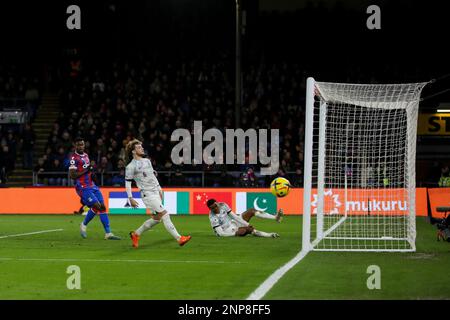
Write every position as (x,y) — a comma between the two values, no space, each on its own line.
(29,233)
(264,287)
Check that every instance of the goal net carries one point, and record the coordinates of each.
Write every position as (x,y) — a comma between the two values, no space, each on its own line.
(360,148)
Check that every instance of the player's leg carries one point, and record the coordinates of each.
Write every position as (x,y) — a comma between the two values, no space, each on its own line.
(250,213)
(147,225)
(81,210)
(279,215)
(103,215)
(263,234)
(153,202)
(165,217)
(150,223)
(83,226)
(84,195)
(84,208)
(162,215)
(243,231)
(89,216)
(136,235)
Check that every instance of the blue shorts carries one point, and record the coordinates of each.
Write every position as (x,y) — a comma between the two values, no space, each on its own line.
(90,196)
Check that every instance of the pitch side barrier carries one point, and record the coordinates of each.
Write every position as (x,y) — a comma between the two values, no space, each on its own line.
(64,200)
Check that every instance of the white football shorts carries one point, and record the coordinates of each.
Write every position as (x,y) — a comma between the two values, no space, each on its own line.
(152,201)
(232,227)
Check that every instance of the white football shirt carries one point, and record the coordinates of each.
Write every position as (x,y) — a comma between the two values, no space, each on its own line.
(222,218)
(142,172)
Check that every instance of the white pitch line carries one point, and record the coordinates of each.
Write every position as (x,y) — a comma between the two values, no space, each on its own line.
(262,290)
(119,260)
(30,233)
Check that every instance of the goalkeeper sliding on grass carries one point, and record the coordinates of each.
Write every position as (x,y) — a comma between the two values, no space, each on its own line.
(228,224)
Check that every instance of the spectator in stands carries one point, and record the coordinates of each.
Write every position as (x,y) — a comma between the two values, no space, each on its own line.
(104,166)
(100,150)
(444,181)
(296,179)
(224,180)
(280,173)
(39,169)
(2,168)
(32,97)
(28,139)
(12,144)
(61,155)
(435,173)
(66,141)
(248,179)
(57,179)
(32,92)
(8,160)
(194,180)
(118,180)
(52,144)
(2,177)
(178,180)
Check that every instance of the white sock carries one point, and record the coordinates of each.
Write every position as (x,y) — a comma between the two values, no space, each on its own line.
(265,215)
(263,234)
(170,227)
(146,226)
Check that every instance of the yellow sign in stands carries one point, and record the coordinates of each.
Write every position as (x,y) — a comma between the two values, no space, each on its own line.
(434,124)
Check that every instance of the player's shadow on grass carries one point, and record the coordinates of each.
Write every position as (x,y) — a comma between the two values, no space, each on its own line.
(166,243)
(160,244)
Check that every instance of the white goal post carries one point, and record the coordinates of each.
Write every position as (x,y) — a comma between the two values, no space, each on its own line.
(359,166)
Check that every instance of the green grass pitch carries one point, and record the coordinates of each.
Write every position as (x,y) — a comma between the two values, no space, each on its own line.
(35,266)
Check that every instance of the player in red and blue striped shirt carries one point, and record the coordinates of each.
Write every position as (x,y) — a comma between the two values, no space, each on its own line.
(80,170)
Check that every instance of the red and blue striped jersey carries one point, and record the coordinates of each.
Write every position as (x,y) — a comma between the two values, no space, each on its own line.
(80,162)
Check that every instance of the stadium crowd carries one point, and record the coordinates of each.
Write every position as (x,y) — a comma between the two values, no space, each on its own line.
(18,92)
(112,103)
(148,101)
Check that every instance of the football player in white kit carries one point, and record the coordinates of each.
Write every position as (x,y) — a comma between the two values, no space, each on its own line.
(140,169)
(226,223)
